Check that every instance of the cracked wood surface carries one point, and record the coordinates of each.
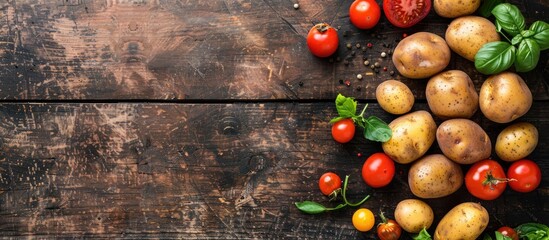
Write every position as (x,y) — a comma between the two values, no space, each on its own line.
(81,49)
(203,119)
(155,170)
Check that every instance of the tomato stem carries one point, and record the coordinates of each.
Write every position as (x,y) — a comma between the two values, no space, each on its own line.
(492,181)
(322,27)
(334,194)
(383,218)
(363,111)
(345,197)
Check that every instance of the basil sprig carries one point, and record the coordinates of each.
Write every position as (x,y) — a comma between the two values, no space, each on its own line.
(533,231)
(375,129)
(522,48)
(311,207)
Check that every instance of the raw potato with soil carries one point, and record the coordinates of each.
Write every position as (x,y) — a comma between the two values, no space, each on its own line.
(465,221)
(466,35)
(504,97)
(421,55)
(413,135)
(516,141)
(455,8)
(434,176)
(452,94)
(463,141)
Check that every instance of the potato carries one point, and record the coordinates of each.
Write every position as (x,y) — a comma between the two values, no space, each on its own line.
(394,97)
(455,8)
(452,94)
(465,221)
(413,215)
(413,135)
(466,35)
(463,141)
(516,141)
(434,176)
(421,55)
(504,97)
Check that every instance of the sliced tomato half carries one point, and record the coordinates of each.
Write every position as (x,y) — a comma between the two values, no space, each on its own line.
(406,13)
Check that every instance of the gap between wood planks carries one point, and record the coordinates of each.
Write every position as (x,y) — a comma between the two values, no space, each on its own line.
(185,101)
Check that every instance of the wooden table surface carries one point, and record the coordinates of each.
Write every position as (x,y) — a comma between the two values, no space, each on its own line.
(205,119)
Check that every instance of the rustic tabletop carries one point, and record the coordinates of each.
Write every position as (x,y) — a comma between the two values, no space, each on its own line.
(206,119)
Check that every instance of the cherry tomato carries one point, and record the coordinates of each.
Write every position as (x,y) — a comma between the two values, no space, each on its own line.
(343,130)
(322,40)
(509,232)
(388,229)
(378,170)
(363,219)
(486,179)
(527,175)
(406,13)
(329,184)
(364,14)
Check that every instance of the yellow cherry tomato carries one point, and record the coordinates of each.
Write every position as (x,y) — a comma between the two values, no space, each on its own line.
(363,219)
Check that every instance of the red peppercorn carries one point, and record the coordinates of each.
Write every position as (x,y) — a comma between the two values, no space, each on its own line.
(369,45)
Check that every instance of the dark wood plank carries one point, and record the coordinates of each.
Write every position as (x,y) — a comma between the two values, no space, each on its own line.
(81,49)
(203,171)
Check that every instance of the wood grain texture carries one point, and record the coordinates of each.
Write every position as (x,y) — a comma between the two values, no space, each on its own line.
(177,50)
(217,171)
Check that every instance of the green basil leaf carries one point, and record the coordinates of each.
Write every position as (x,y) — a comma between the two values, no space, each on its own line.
(377,130)
(486,237)
(516,40)
(310,207)
(336,119)
(541,35)
(533,231)
(500,236)
(485,9)
(423,235)
(527,55)
(510,18)
(527,33)
(346,106)
(498,27)
(495,57)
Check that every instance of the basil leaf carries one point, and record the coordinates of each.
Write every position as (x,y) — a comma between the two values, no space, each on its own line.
(541,35)
(485,9)
(510,18)
(346,106)
(500,236)
(486,237)
(423,235)
(495,57)
(527,55)
(498,27)
(377,130)
(310,207)
(336,119)
(516,40)
(527,33)
(533,231)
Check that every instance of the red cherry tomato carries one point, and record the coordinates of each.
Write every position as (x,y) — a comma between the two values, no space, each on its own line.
(486,180)
(329,184)
(388,229)
(527,175)
(509,232)
(364,14)
(378,170)
(343,130)
(322,40)
(406,13)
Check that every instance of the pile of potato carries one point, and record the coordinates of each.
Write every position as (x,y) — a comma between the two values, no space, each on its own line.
(451,97)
